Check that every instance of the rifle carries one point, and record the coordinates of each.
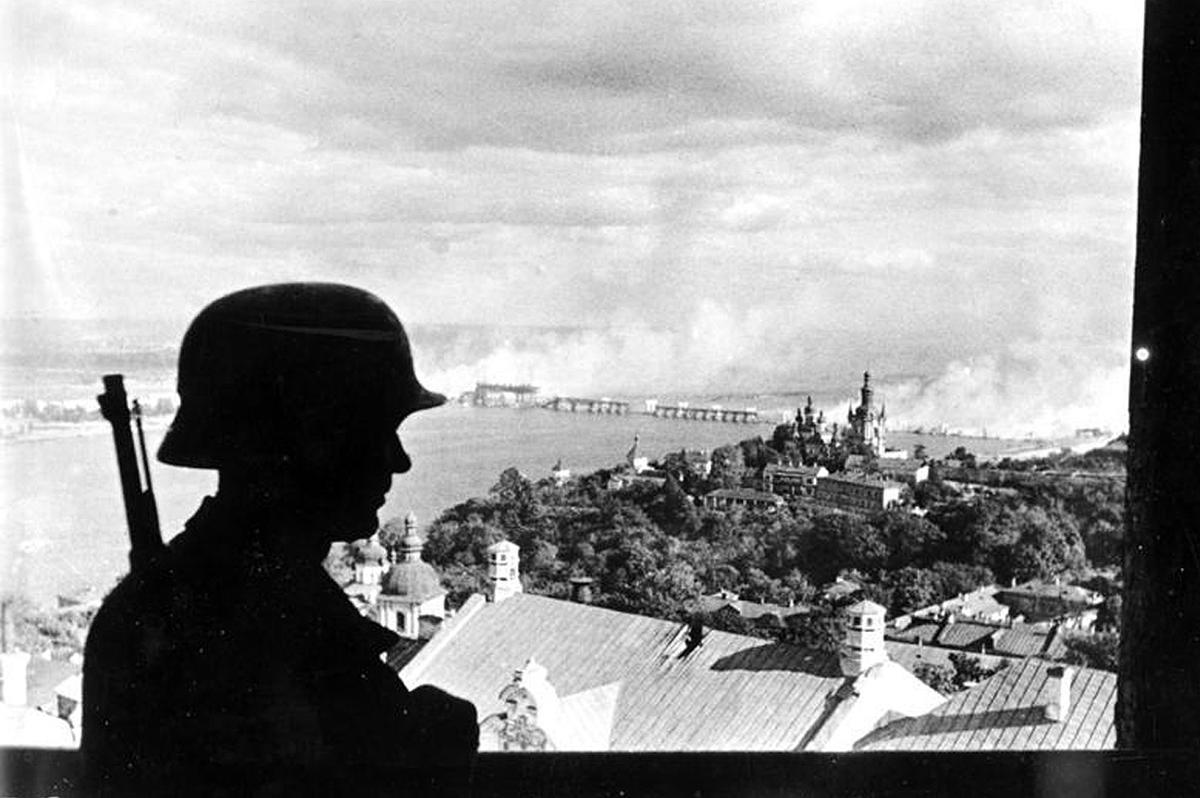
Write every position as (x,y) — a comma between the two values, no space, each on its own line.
(141,511)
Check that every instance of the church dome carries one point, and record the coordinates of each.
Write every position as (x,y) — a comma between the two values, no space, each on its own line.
(371,552)
(415,581)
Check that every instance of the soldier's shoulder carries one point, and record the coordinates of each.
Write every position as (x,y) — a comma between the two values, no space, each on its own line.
(154,591)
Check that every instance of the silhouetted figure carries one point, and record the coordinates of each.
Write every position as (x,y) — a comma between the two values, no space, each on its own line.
(232,663)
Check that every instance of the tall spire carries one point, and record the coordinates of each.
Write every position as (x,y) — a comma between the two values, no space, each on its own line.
(866,391)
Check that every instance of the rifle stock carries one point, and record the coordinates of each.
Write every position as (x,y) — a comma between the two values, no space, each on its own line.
(141,510)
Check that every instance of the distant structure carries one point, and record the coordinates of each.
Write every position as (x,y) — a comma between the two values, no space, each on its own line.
(635,459)
(577,404)
(724,499)
(792,481)
(811,427)
(864,433)
(857,493)
(489,394)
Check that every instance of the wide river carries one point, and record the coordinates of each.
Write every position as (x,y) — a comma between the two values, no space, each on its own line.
(62,524)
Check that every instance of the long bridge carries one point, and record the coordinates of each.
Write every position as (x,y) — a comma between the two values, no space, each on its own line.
(617,407)
(574,404)
(747,416)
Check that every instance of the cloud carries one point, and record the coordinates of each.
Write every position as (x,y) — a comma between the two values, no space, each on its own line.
(762,195)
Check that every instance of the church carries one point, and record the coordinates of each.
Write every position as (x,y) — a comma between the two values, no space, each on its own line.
(862,435)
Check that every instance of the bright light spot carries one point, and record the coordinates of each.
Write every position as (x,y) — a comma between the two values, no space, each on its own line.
(1142,354)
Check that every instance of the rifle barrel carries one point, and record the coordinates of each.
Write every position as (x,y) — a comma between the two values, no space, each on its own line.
(141,511)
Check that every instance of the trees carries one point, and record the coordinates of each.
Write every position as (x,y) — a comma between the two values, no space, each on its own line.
(674,511)
(837,542)
(1098,650)
(819,628)
(911,589)
(911,541)
(1048,545)
(728,467)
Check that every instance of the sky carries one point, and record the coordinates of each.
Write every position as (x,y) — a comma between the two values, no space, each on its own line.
(713,193)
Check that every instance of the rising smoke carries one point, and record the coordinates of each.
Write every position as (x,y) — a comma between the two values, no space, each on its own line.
(1026,389)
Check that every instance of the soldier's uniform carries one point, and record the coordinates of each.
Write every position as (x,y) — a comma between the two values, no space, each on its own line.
(248,671)
(232,663)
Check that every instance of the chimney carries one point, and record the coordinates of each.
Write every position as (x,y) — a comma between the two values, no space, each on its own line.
(581,589)
(504,578)
(1058,684)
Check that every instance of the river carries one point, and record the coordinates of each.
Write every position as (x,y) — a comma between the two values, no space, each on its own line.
(62,525)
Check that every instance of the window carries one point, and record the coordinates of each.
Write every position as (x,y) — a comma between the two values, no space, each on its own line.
(1167,365)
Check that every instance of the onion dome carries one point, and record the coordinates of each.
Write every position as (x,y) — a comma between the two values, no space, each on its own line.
(413,580)
(371,552)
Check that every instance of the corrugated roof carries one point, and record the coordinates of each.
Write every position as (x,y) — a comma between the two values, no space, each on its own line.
(1022,640)
(922,631)
(858,478)
(732,692)
(1005,712)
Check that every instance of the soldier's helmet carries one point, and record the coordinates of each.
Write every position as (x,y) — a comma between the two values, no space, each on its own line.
(262,367)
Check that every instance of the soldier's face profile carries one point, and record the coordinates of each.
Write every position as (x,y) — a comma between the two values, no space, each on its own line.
(345,469)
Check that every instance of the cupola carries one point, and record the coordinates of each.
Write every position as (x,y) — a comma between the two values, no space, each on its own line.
(862,643)
(504,578)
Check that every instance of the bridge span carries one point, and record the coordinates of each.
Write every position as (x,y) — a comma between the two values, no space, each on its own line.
(618,407)
(747,416)
(574,404)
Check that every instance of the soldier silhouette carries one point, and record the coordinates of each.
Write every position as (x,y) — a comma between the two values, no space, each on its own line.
(232,663)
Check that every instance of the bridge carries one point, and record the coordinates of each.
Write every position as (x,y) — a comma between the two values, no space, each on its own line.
(747,416)
(574,404)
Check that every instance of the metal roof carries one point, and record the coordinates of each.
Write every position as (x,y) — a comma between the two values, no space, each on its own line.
(964,634)
(858,478)
(1005,712)
(1022,640)
(732,692)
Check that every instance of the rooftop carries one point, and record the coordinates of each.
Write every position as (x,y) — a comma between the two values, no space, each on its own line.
(731,692)
(1005,712)
(858,478)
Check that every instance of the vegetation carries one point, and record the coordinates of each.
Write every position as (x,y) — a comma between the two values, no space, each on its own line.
(652,550)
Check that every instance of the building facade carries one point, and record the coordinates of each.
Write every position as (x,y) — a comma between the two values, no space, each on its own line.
(856,493)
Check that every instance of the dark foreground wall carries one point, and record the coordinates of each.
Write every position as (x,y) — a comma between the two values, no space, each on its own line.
(38,772)
(1158,702)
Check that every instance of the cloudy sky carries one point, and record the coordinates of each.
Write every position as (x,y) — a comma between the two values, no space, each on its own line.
(695,182)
